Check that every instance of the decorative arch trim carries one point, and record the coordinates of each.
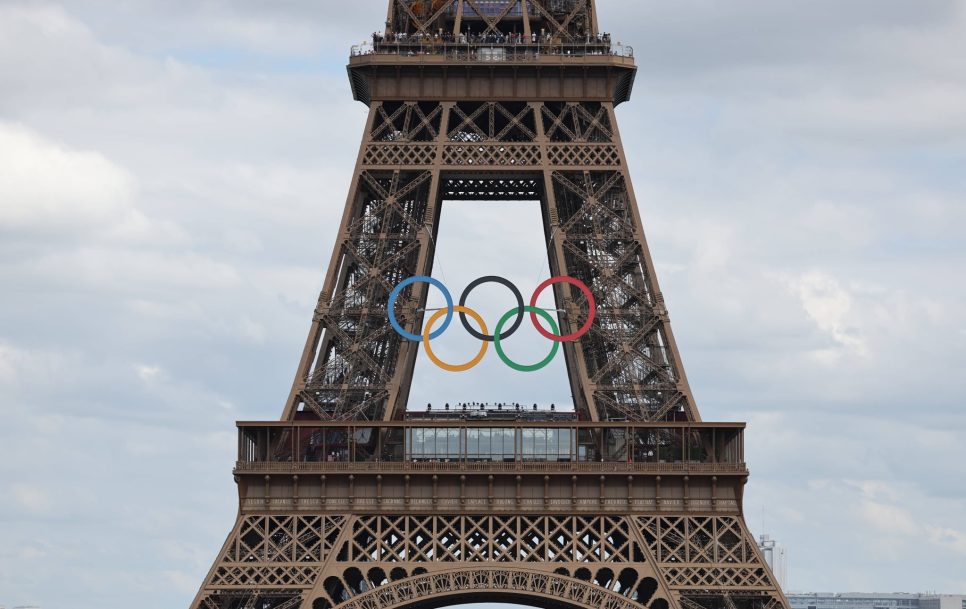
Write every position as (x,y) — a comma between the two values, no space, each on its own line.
(533,588)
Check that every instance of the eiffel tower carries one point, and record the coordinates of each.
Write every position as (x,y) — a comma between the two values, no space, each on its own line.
(631,501)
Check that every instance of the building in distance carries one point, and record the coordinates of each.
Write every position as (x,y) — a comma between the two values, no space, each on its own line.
(862,600)
(777,558)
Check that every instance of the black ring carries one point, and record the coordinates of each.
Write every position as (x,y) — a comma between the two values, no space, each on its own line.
(501,281)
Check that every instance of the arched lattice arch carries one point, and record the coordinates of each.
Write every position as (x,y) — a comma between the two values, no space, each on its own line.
(533,588)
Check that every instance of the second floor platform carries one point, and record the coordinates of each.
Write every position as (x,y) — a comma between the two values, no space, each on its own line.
(491,446)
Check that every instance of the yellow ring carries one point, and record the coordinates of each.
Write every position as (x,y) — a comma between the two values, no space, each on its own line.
(429,350)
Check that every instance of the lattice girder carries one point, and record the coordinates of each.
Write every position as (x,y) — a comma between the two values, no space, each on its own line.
(382,561)
(562,20)
(383,243)
(629,368)
(577,122)
(627,350)
(491,122)
(406,121)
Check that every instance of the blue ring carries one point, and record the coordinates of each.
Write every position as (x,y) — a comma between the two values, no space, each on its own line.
(395,294)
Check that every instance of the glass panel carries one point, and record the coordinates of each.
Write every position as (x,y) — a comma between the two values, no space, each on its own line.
(250,449)
(426,446)
(364,442)
(700,445)
(615,445)
(559,444)
(336,443)
(484,449)
(479,445)
(527,443)
(503,444)
(282,444)
(436,444)
(669,449)
(645,445)
(587,449)
(541,444)
(472,444)
(417,447)
(453,450)
(392,444)
(728,445)
(310,443)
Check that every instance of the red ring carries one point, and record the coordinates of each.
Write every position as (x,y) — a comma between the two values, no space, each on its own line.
(590,301)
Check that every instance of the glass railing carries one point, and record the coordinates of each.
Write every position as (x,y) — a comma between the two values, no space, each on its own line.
(491,443)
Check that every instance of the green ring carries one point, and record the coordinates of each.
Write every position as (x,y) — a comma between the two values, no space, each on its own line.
(499,348)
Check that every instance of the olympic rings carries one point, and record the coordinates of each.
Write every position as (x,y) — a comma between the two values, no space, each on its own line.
(453,367)
(499,349)
(501,281)
(498,335)
(592,304)
(395,294)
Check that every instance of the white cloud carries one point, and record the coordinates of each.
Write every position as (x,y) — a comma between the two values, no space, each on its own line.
(131,271)
(900,525)
(53,191)
(31,553)
(46,185)
(8,362)
(829,305)
(31,498)
(950,538)
(149,374)
(889,519)
(22,368)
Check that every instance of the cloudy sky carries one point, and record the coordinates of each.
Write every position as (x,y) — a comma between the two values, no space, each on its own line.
(171,176)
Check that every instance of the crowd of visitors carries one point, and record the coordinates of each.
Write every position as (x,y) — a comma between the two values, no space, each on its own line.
(442,39)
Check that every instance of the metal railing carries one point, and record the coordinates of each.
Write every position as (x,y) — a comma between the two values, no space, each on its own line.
(492,51)
(464,466)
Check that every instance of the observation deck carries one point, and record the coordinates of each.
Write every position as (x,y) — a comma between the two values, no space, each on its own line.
(483,445)
(509,465)
(464,50)
(506,66)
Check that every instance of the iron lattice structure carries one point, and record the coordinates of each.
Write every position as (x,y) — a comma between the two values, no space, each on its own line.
(568,155)
(490,100)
